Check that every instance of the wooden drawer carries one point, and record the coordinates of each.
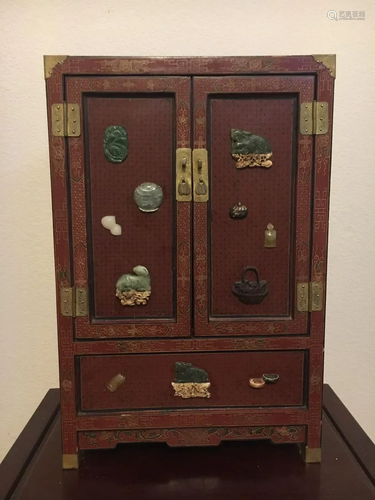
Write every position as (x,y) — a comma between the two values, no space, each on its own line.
(148,380)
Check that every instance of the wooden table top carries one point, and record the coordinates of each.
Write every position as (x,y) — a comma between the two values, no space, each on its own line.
(256,470)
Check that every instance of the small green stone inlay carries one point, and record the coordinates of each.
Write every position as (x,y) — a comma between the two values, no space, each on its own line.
(116,144)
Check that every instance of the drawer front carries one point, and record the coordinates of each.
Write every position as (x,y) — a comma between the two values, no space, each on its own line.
(148,380)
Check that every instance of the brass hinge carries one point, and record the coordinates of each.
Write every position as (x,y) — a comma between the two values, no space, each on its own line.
(314,118)
(73,302)
(310,296)
(66,120)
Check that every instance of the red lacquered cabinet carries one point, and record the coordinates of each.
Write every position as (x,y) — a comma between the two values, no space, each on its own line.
(190,207)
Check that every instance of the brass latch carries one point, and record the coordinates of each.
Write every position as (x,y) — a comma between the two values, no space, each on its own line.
(183,174)
(73,301)
(66,120)
(200,175)
(314,118)
(310,296)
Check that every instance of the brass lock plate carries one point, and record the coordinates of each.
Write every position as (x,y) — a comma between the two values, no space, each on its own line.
(200,175)
(183,174)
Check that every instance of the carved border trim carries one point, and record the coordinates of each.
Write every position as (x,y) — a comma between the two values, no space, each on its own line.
(192,436)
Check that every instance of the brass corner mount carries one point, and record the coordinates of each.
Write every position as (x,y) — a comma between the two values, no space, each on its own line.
(70,461)
(328,60)
(50,62)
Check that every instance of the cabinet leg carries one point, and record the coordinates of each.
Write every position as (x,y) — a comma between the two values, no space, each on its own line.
(70,461)
(311,455)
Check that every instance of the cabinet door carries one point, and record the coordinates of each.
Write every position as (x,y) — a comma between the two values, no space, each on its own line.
(106,165)
(280,194)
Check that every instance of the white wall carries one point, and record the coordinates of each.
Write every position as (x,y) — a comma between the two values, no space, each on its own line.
(29,29)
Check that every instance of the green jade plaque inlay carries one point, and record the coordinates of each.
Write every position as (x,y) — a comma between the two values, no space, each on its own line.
(116,144)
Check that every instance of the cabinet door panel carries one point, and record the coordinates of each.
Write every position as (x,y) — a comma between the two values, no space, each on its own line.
(155,114)
(280,194)
(147,238)
(267,194)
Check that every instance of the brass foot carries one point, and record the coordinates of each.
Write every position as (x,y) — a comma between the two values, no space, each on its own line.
(311,455)
(70,461)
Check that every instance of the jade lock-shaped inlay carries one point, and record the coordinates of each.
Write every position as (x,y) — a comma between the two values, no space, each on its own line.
(116,144)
